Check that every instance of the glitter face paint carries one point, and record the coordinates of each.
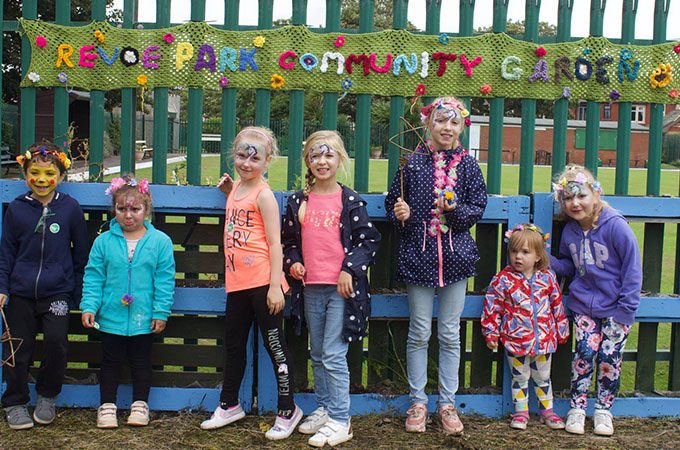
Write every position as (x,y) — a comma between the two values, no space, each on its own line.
(130,213)
(250,160)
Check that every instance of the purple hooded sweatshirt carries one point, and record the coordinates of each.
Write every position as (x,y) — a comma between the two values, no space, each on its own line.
(605,266)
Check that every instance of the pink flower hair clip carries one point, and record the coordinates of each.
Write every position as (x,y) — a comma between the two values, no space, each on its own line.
(117,183)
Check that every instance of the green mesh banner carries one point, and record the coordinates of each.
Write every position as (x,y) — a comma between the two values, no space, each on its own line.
(396,62)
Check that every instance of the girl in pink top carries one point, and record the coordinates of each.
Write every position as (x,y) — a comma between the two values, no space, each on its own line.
(253,261)
(329,243)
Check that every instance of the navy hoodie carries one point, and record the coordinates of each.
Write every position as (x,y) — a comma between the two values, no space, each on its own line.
(605,266)
(39,261)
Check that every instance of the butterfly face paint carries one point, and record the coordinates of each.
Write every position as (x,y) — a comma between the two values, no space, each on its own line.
(250,160)
(130,213)
(43,177)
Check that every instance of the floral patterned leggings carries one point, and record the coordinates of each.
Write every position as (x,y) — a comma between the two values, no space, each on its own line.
(602,340)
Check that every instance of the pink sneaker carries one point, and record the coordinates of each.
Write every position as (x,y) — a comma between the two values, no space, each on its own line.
(222,417)
(449,419)
(416,417)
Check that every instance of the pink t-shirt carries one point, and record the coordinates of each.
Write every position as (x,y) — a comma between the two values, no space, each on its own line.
(322,250)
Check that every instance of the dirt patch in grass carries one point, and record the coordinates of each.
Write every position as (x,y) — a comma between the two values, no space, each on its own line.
(74,429)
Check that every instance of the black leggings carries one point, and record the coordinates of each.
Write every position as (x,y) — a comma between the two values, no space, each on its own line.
(242,307)
(115,351)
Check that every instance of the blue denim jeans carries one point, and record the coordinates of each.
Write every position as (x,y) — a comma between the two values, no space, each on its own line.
(325,312)
(451,300)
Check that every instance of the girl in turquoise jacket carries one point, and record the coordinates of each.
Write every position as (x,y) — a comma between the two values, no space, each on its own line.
(128,293)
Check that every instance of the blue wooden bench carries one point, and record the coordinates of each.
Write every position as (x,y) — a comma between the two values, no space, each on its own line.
(212,301)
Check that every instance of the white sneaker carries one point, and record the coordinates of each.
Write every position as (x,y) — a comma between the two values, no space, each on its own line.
(314,421)
(332,433)
(576,420)
(139,414)
(106,416)
(222,417)
(602,423)
(284,427)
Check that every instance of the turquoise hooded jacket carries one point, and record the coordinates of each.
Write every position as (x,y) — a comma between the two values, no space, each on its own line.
(150,277)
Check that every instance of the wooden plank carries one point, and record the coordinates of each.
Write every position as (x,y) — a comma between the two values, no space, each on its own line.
(355,362)
(199,262)
(561,364)
(481,359)
(646,357)
(433,359)
(397,360)
(158,378)
(195,327)
(674,366)
(383,272)
(486,236)
(198,234)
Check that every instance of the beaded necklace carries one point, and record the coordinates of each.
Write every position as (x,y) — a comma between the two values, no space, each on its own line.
(445,177)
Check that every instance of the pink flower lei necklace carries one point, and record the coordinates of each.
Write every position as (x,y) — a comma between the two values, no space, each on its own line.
(445,178)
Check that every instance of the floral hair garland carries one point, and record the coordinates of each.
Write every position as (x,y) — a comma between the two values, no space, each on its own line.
(574,186)
(117,183)
(43,151)
(544,236)
(454,106)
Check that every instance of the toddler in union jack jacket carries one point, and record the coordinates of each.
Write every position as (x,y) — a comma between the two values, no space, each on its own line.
(523,308)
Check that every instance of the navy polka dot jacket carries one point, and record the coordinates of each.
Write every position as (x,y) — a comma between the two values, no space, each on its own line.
(360,240)
(441,260)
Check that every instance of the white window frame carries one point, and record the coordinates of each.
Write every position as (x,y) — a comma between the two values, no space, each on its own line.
(637,113)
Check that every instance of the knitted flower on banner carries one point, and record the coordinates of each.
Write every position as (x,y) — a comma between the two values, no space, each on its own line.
(169,38)
(346,83)
(99,36)
(258,41)
(127,300)
(625,53)
(63,77)
(277,81)
(141,80)
(614,94)
(40,41)
(661,76)
(64,160)
(676,48)
(444,38)
(420,90)
(586,51)
(339,41)
(130,56)
(673,93)
(34,77)
(540,52)
(486,89)
(224,81)
(566,92)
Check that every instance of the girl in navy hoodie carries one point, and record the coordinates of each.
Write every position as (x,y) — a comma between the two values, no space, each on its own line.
(599,251)
(42,258)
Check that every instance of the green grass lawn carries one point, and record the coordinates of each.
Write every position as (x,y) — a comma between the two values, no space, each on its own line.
(378,182)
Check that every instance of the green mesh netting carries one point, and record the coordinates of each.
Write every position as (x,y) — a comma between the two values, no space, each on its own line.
(617,75)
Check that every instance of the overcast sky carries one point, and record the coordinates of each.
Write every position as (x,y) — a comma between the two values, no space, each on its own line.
(316,14)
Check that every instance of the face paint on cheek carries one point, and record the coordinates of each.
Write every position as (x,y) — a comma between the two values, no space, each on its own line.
(51,181)
(32,180)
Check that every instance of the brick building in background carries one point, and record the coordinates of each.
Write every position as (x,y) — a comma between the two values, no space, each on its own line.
(576,132)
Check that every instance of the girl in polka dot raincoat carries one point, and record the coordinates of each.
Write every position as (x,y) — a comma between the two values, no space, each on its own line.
(444,195)
(329,244)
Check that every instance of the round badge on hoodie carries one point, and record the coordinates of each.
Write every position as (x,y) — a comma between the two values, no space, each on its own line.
(54,228)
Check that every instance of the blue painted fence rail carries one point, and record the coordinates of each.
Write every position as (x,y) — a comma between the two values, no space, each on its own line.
(211,301)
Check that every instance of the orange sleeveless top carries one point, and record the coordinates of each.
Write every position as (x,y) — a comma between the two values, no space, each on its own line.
(246,252)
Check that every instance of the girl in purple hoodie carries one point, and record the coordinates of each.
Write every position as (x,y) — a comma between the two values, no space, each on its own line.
(600,252)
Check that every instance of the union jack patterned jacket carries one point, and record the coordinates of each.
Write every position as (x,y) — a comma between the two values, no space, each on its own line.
(526,314)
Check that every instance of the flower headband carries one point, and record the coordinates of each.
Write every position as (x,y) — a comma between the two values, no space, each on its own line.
(117,183)
(454,106)
(43,151)
(544,236)
(574,186)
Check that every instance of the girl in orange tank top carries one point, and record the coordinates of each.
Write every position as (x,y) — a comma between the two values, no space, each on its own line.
(253,268)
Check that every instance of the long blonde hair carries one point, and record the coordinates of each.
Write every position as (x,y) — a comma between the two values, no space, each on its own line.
(569,174)
(333,140)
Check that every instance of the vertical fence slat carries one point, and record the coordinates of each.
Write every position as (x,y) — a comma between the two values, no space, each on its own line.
(297,112)
(362,140)
(30,11)
(160,110)
(527,141)
(229,95)
(623,129)
(496,113)
(466,9)
(61,117)
(378,345)
(399,22)
(593,108)
(96,139)
(195,111)
(128,107)
(329,112)
(561,114)
(263,96)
